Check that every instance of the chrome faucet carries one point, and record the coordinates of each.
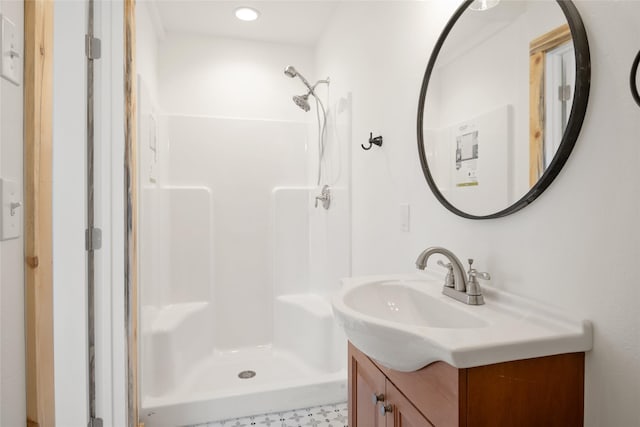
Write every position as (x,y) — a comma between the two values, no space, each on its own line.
(457,285)
(459,282)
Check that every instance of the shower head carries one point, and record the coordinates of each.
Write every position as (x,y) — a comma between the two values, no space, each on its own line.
(292,72)
(302,101)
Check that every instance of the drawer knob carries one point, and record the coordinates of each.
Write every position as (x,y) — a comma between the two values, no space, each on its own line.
(375,398)
(385,409)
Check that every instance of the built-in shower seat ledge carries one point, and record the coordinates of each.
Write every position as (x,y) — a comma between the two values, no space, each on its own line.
(169,317)
(317,305)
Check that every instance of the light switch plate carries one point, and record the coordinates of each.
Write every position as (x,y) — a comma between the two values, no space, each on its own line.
(11,209)
(10,60)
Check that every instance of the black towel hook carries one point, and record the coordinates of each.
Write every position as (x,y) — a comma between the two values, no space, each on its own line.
(634,74)
(377,141)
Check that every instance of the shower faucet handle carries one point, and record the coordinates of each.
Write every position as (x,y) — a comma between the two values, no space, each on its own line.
(324,197)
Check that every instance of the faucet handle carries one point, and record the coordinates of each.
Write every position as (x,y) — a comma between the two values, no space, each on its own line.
(473,287)
(447,265)
(480,275)
(473,273)
(449,280)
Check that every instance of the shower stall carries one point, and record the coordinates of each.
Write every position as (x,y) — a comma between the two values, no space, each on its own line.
(238,260)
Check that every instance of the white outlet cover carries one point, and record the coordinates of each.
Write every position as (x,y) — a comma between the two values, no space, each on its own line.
(10,58)
(10,223)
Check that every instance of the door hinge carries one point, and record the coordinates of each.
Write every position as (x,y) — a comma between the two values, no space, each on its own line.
(564,93)
(92,47)
(95,422)
(93,239)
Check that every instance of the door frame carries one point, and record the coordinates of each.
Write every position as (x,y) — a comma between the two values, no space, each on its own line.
(38,241)
(38,226)
(131,213)
(538,49)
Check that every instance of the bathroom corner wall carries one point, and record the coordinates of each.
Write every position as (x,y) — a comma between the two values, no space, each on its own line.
(12,341)
(575,248)
(153,163)
(330,229)
(147,40)
(232,128)
(219,77)
(240,162)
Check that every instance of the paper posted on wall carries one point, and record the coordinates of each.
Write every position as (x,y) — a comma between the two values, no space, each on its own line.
(466,174)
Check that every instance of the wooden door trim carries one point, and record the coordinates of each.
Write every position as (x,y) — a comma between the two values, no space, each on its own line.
(538,48)
(131,213)
(551,39)
(38,238)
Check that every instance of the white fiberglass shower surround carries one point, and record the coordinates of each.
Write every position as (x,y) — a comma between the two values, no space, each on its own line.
(236,261)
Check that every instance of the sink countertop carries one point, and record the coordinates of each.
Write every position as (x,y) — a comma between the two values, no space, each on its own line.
(507,327)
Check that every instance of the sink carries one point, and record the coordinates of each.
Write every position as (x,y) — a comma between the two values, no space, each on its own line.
(404,322)
(403,302)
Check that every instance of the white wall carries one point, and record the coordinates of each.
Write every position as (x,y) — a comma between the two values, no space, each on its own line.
(69,214)
(208,76)
(576,247)
(229,125)
(12,343)
(241,162)
(147,48)
(329,229)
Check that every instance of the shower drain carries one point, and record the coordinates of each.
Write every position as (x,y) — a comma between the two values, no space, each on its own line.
(246,374)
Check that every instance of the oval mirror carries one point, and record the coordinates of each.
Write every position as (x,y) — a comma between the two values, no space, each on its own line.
(502,103)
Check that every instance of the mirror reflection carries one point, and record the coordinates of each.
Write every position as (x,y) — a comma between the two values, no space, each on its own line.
(498,102)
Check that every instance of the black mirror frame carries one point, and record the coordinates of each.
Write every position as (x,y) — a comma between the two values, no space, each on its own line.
(574,124)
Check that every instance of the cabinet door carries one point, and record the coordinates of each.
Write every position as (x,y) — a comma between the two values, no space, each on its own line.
(365,383)
(403,413)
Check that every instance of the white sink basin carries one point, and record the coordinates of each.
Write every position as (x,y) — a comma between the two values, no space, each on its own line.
(394,301)
(405,323)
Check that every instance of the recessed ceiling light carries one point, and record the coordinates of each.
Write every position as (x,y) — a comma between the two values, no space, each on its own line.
(247,14)
(482,5)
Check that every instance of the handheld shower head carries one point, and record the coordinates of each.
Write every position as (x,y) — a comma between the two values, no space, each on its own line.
(302,101)
(290,71)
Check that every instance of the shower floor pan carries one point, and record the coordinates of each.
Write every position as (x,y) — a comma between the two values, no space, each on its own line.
(213,389)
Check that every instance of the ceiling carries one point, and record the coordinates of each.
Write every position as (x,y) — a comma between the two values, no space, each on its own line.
(298,22)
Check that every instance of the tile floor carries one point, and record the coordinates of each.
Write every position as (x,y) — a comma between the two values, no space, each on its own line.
(319,416)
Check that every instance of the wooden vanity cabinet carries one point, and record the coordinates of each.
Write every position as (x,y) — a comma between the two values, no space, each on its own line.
(369,394)
(367,388)
(545,391)
(403,413)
